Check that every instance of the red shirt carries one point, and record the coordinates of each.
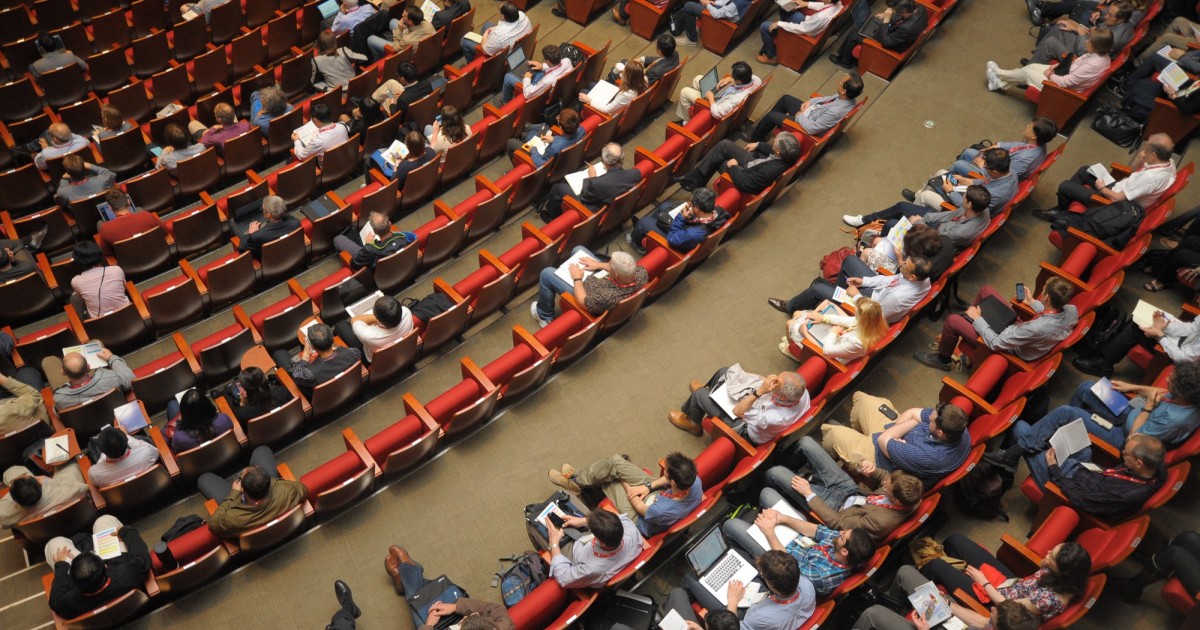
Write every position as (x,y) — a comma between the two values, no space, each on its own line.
(126,226)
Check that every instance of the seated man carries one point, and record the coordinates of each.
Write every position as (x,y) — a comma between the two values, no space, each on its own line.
(1024,157)
(684,21)
(793,20)
(98,288)
(826,564)
(226,127)
(256,497)
(408,578)
(179,148)
(22,406)
(789,603)
(595,294)
(387,323)
(330,133)
(276,224)
(450,10)
(319,361)
(655,503)
(84,582)
(498,37)
(1109,491)
(1141,88)
(962,226)
(55,142)
(349,15)
(684,226)
(724,99)
(396,95)
(591,563)
(896,294)
(653,67)
(31,496)
(752,168)
(382,242)
(598,189)
(765,405)
(16,261)
(82,180)
(203,7)
(816,115)
(1029,340)
(927,443)
(1009,614)
(409,30)
(1153,173)
(54,55)
(555,143)
(127,223)
(897,28)
(120,457)
(83,383)
(1069,37)
(541,76)
(1177,338)
(835,498)
(998,179)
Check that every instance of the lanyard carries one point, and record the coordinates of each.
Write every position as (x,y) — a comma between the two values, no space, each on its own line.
(599,551)
(1114,472)
(780,403)
(1021,147)
(881,501)
(824,549)
(785,601)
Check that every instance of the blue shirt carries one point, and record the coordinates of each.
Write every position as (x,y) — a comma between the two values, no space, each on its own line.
(1170,422)
(1025,159)
(921,455)
(817,563)
(260,119)
(666,511)
(557,145)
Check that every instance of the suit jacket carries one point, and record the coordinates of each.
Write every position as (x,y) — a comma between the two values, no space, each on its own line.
(125,573)
(901,33)
(755,179)
(412,94)
(234,517)
(443,18)
(268,232)
(600,191)
(656,67)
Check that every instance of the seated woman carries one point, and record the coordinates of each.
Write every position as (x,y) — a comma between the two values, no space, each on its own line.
(256,394)
(194,420)
(633,83)
(447,130)
(843,338)
(266,104)
(552,143)
(111,123)
(1181,264)
(361,118)
(1085,71)
(1062,577)
(419,154)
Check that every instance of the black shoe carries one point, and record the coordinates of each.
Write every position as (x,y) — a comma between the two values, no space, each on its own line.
(342,590)
(779,305)
(998,458)
(1129,589)
(1024,61)
(1046,215)
(685,183)
(557,12)
(1096,366)
(933,360)
(839,60)
(909,195)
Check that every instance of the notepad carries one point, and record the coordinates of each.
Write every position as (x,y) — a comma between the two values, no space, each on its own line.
(564,270)
(429,8)
(929,603)
(603,92)
(473,37)
(90,351)
(784,533)
(1100,172)
(1116,402)
(842,296)
(675,212)
(1070,439)
(672,622)
(307,133)
(896,236)
(130,417)
(106,544)
(1172,77)
(576,179)
(55,449)
(1143,314)
(393,154)
(190,14)
(536,143)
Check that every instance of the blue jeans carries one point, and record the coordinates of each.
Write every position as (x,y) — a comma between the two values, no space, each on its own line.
(377,43)
(768,38)
(688,16)
(510,83)
(172,409)
(965,165)
(860,12)
(737,531)
(854,267)
(829,481)
(1038,469)
(412,576)
(551,286)
(1035,439)
(470,50)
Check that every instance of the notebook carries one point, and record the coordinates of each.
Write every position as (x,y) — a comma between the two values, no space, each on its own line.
(474,37)
(130,417)
(393,154)
(429,8)
(1070,439)
(603,93)
(1143,314)
(717,565)
(784,533)
(896,236)
(307,132)
(1100,172)
(106,544)
(708,83)
(1172,77)
(1116,402)
(997,314)
(516,59)
(576,179)
(328,9)
(563,272)
(55,450)
(364,306)
(89,350)
(929,603)
(723,399)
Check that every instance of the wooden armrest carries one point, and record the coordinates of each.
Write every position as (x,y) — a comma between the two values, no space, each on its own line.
(483,183)
(242,318)
(642,153)
(493,111)
(414,407)
(379,177)
(1108,449)
(297,51)
(138,302)
(720,429)
(1077,282)
(571,203)
(703,103)
(1119,171)
(43,265)
(521,156)
(816,350)
(1019,558)
(255,178)
(74,322)
(164,451)
(676,129)
(526,338)
(486,258)
(529,230)
(337,200)
(441,286)
(949,207)
(1101,200)
(588,110)
(659,241)
(440,208)
(471,371)
(1076,236)
(971,602)
(1189,312)
(286,380)
(959,389)
(285,471)
(355,444)
(223,406)
(190,271)
(568,302)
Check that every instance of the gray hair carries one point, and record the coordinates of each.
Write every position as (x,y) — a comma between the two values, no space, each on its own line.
(380,224)
(1161,145)
(788,147)
(274,206)
(791,384)
(611,155)
(623,265)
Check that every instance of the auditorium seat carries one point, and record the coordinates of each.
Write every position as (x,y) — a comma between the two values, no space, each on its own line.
(343,479)
(1051,497)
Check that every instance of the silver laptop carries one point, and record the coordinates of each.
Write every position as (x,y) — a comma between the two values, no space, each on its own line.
(516,59)
(364,306)
(717,564)
(708,83)
(328,9)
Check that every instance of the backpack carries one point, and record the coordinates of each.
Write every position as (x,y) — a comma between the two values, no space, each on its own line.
(519,580)
(980,492)
(440,589)
(1114,223)
(1117,125)
(182,525)
(572,52)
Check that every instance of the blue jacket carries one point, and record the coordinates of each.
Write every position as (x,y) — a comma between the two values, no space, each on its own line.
(557,145)
(684,235)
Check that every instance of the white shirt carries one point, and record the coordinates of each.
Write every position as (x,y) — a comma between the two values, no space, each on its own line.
(502,36)
(1147,184)
(550,76)
(376,337)
(140,458)
(765,419)
(329,136)
(896,294)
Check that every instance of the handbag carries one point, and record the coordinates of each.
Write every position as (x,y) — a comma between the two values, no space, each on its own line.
(1117,125)
(831,263)
(1063,68)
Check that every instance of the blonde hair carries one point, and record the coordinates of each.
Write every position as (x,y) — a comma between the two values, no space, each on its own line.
(869,323)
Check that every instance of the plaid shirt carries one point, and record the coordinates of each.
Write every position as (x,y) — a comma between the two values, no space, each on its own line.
(817,563)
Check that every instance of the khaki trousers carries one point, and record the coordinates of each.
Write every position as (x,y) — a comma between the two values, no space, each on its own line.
(608,473)
(854,444)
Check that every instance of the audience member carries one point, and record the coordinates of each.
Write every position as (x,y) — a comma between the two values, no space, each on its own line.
(684,20)
(1084,72)
(896,28)
(83,383)
(333,66)
(120,457)
(961,225)
(1179,558)
(83,582)
(350,14)
(447,130)
(32,496)
(16,261)
(22,406)
(387,323)
(1006,615)
(723,99)
(100,287)
(1152,173)
(319,361)
(54,55)
(256,393)
(603,184)
(763,405)
(330,133)
(816,115)
(683,225)
(654,503)
(594,292)
(227,127)
(382,241)
(846,337)
(126,223)
(179,148)
(793,19)
(450,10)
(896,294)
(398,94)
(790,599)
(541,76)
(194,420)
(255,497)
(498,38)
(55,142)
(1024,157)
(655,67)
(999,180)
(570,133)
(1068,37)
(1178,36)
(1177,338)
(633,83)
(276,224)
(752,168)
(419,154)
(111,123)
(344,618)
(409,30)
(590,564)
(408,578)
(266,104)
(204,7)
(1054,319)
(82,180)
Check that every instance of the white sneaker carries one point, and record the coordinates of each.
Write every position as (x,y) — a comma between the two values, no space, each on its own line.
(684,40)
(629,238)
(994,82)
(853,220)
(533,311)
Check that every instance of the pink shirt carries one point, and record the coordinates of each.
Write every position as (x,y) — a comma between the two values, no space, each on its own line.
(1086,71)
(102,290)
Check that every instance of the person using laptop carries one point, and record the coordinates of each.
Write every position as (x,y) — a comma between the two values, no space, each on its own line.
(541,75)
(591,563)
(790,600)
(120,457)
(1054,320)
(826,564)
(81,180)
(1007,615)
(318,361)
(276,224)
(596,293)
(655,503)
(497,37)
(83,581)
(387,323)
(381,241)
(126,222)
(350,14)
(723,95)
(815,115)
(763,406)
(752,168)
(179,148)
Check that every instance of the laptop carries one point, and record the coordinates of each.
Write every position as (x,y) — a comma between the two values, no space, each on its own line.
(328,9)
(996,313)
(240,222)
(106,211)
(717,564)
(708,83)
(318,208)
(516,59)
(364,306)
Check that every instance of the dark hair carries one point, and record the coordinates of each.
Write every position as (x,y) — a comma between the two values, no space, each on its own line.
(859,547)
(742,73)
(552,55)
(320,337)
(780,571)
(952,420)
(606,526)
(117,199)
(1059,292)
(176,136)
(1184,382)
(321,112)
(1044,130)
(111,118)
(72,164)
(722,619)
(387,310)
(415,141)
(922,267)
(979,197)
(996,159)
(196,415)
(906,488)
(510,12)
(681,470)
(1013,615)
(87,571)
(665,44)
(48,42)
(87,254)
(704,200)
(853,85)
(905,6)
(1124,12)
(112,442)
(256,483)
(1101,39)
(414,14)
(26,491)
(453,126)
(1074,565)
(407,71)
(568,119)
(254,381)
(922,241)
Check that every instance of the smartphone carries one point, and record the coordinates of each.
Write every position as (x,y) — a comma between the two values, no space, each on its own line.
(889,412)
(556,519)
(1020,291)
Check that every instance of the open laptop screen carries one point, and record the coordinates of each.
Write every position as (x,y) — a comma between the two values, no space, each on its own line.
(707,551)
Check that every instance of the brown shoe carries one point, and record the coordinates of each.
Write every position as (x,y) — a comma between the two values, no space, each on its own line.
(617,17)
(562,481)
(680,420)
(694,385)
(391,564)
(770,61)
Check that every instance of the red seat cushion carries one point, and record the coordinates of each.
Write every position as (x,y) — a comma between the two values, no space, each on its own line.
(1055,529)
(189,546)
(715,462)
(539,607)
(519,253)
(332,473)
(399,434)
(514,175)
(672,147)
(157,365)
(45,332)
(562,224)
(166,286)
(216,338)
(282,305)
(452,400)
(470,286)
(316,290)
(504,367)
(1173,592)
(1032,94)
(425,229)
(813,372)
(732,200)
(223,260)
(563,326)
(307,226)
(655,262)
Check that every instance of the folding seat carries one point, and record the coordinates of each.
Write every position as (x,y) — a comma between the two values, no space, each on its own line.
(458,27)
(541,607)
(81,114)
(462,407)
(363,84)
(26,298)
(1107,547)
(174,302)
(122,330)
(618,212)
(491,71)
(461,158)
(208,70)
(332,99)
(23,189)
(157,127)
(151,54)
(226,278)
(282,257)
(16,23)
(585,226)
(144,254)
(147,16)
(274,426)
(341,162)
(157,382)
(569,160)
(279,134)
(219,354)
(1074,611)
(277,324)
(13,443)
(242,152)
(425,108)
(86,419)
(75,37)
(392,273)
(860,576)
(448,324)
(258,13)
(295,182)
(110,31)
(497,133)
(428,54)
(521,369)
(197,174)
(402,444)
(207,104)
(147,488)
(486,217)
(987,426)
(967,466)
(342,480)
(294,75)
(225,22)
(383,132)
(52,14)
(29,129)
(310,22)
(220,453)
(419,185)
(332,395)
(33,534)
(499,283)
(673,263)
(54,167)
(444,242)
(134,100)
(604,133)
(125,152)
(282,32)
(35,345)
(199,556)
(718,35)
(19,54)
(795,49)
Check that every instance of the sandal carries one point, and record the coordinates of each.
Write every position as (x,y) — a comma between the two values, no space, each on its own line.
(1154,286)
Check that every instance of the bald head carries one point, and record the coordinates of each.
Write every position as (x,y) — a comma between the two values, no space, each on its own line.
(74,366)
(60,133)
(791,385)
(1159,147)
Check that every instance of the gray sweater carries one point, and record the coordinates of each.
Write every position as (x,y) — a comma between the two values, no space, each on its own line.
(116,376)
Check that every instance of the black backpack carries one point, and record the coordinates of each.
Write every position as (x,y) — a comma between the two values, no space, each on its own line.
(1114,223)
(980,492)
(572,52)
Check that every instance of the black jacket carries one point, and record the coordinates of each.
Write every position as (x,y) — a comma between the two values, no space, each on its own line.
(600,191)
(902,32)
(442,19)
(656,67)
(269,231)
(412,94)
(373,251)
(125,573)
(755,180)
